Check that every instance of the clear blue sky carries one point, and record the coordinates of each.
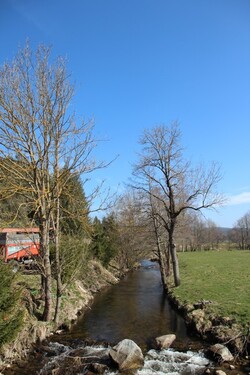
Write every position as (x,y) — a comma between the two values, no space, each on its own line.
(138,63)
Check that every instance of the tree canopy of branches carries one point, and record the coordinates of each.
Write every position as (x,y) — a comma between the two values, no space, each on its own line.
(172,188)
(241,232)
(134,233)
(42,146)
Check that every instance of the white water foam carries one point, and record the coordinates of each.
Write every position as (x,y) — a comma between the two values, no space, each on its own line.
(162,362)
(60,351)
(172,363)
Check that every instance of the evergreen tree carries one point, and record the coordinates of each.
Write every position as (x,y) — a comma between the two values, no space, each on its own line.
(74,208)
(104,239)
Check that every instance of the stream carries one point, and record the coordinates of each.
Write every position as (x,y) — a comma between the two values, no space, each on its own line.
(135,309)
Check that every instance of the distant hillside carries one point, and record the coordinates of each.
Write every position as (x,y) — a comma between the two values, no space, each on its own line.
(224,230)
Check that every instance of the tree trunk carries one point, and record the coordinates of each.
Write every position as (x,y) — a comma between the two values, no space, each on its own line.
(163,261)
(162,264)
(57,229)
(175,263)
(47,272)
(59,286)
(58,301)
(48,299)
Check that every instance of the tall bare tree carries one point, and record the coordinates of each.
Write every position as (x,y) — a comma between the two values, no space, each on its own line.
(167,178)
(41,145)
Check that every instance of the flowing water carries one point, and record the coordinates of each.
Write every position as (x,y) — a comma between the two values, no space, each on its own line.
(136,309)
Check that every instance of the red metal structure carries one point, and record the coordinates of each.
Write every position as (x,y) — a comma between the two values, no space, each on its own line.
(19,243)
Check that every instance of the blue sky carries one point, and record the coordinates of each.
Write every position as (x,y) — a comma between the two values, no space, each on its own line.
(139,63)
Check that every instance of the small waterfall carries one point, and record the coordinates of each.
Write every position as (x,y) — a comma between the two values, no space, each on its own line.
(173,362)
(162,362)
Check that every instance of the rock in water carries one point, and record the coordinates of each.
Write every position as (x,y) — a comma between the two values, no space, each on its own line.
(220,353)
(164,342)
(127,355)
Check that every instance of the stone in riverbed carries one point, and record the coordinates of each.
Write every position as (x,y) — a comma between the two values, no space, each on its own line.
(220,353)
(164,342)
(127,355)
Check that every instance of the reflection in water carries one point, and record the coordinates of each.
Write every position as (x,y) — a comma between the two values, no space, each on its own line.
(136,309)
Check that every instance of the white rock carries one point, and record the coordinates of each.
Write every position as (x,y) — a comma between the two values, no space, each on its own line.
(164,342)
(221,353)
(220,372)
(127,355)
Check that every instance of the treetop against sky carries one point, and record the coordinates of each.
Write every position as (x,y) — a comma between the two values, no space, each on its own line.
(140,63)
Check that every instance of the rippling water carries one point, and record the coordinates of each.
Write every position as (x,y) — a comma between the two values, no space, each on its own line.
(135,309)
(156,362)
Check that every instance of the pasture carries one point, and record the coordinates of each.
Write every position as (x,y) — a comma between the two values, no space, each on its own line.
(222,277)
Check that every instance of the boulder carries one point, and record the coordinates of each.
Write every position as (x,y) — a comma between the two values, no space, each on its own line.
(220,353)
(127,355)
(231,333)
(165,341)
(197,320)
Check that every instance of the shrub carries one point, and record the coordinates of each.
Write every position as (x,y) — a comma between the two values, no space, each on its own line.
(11,314)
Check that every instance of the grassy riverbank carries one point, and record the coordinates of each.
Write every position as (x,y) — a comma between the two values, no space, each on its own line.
(77,296)
(222,277)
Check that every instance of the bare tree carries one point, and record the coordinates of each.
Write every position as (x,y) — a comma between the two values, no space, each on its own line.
(242,231)
(41,146)
(173,183)
(132,229)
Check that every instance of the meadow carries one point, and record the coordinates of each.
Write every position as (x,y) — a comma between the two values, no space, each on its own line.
(222,277)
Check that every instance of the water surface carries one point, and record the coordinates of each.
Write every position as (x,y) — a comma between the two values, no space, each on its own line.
(136,308)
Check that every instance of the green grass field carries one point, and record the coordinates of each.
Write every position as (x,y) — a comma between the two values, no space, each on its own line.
(222,277)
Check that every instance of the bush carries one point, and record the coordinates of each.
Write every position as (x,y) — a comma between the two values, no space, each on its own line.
(11,314)
(74,256)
